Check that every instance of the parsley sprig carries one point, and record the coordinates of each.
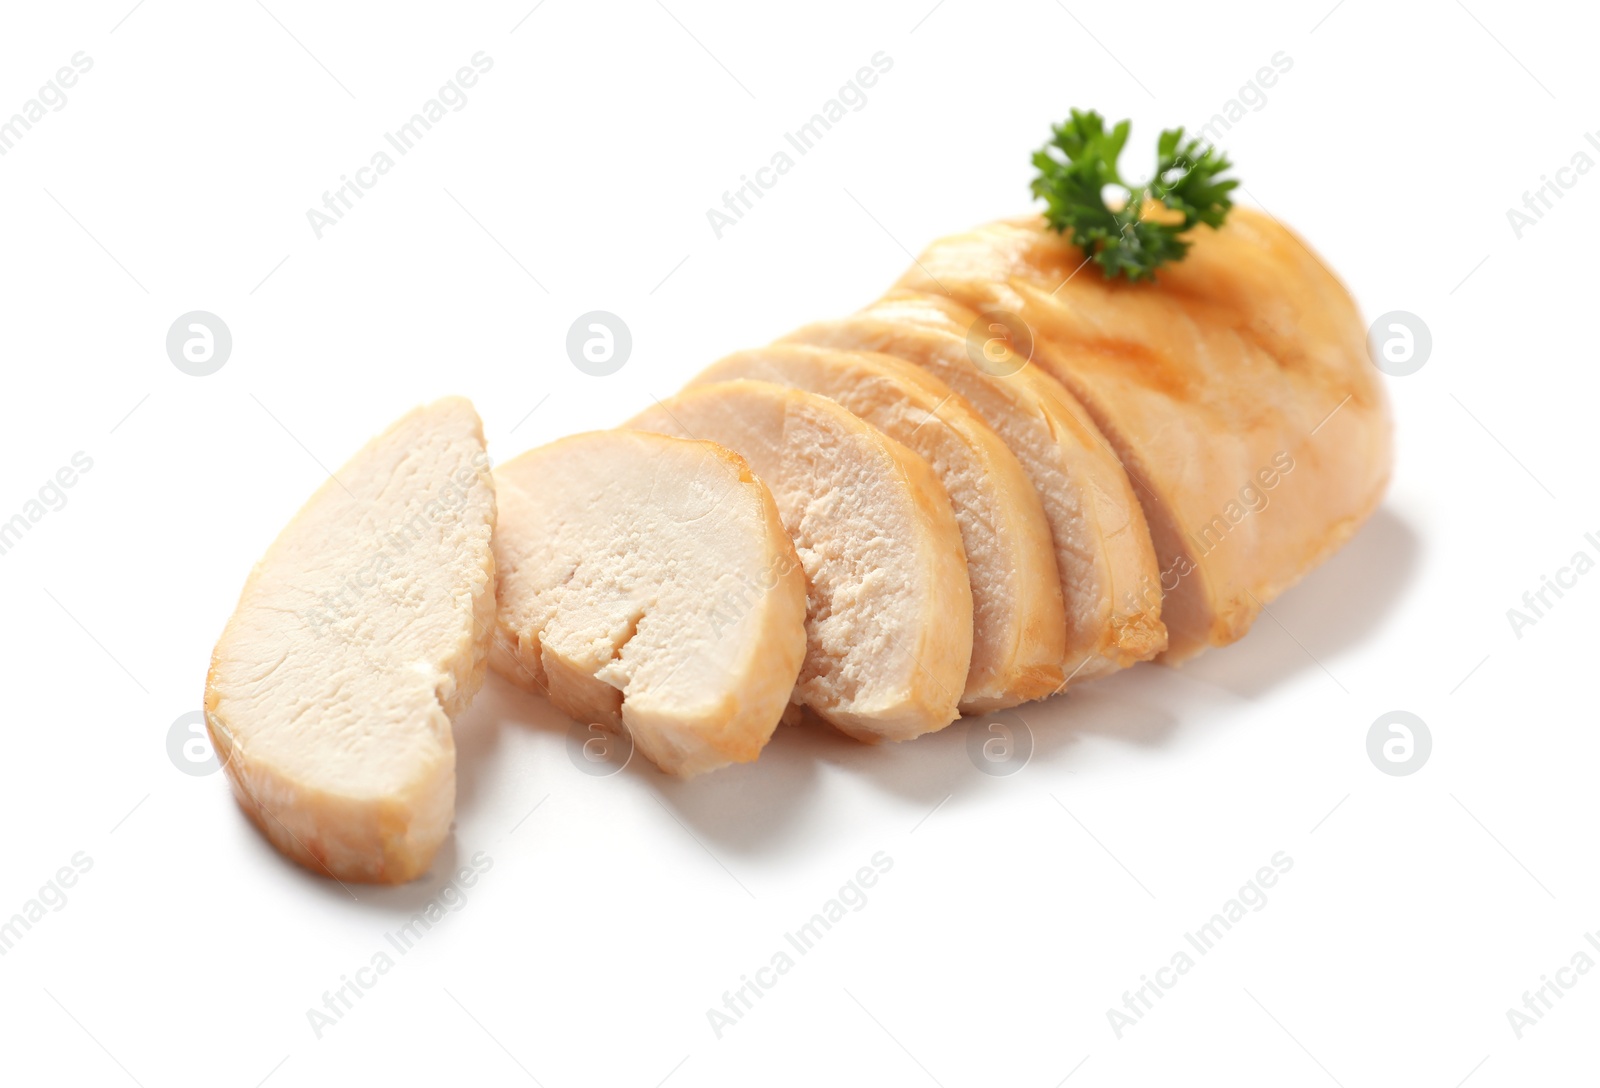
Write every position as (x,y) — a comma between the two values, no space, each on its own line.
(1134,238)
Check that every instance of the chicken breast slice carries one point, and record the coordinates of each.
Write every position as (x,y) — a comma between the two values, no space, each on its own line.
(647,584)
(1236,390)
(1018,619)
(359,637)
(1104,559)
(889,605)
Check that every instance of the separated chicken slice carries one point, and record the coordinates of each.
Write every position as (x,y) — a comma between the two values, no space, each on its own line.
(1018,621)
(889,606)
(1236,389)
(358,638)
(646,584)
(1102,551)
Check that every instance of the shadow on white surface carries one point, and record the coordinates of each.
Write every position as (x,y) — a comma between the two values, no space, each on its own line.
(400,900)
(1336,606)
(752,807)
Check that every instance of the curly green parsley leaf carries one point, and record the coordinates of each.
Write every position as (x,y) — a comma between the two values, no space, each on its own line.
(1135,237)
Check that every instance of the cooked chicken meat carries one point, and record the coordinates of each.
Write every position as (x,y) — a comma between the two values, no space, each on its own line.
(646,584)
(359,637)
(889,606)
(1235,388)
(1019,626)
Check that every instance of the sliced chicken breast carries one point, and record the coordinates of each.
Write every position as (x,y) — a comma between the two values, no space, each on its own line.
(1018,620)
(889,605)
(1101,544)
(1236,389)
(647,584)
(359,637)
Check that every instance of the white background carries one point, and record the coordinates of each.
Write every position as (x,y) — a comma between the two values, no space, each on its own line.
(1018,909)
